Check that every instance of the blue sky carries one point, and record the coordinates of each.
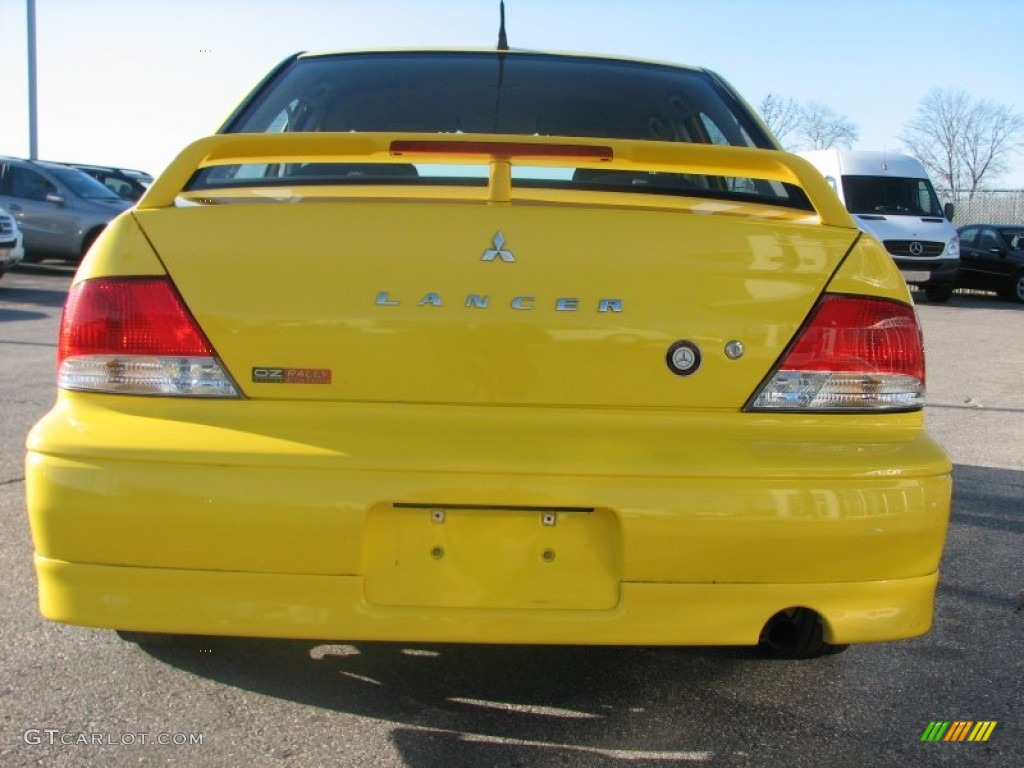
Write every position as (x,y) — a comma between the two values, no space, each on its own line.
(130,83)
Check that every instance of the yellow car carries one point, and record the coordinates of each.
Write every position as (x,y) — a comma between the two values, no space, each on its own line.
(490,347)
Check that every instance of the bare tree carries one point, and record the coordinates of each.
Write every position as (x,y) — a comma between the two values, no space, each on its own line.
(822,128)
(962,141)
(815,125)
(781,115)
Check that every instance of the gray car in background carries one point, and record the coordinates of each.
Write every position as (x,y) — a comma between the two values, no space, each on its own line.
(60,210)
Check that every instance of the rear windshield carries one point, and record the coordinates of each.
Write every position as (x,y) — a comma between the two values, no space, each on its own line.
(82,184)
(521,94)
(1014,238)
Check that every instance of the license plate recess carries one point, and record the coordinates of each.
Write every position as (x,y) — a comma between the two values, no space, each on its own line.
(454,556)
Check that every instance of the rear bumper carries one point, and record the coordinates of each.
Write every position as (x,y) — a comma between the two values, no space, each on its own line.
(450,523)
(333,607)
(929,274)
(11,253)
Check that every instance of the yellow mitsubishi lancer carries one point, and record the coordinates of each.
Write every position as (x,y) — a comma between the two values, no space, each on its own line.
(490,347)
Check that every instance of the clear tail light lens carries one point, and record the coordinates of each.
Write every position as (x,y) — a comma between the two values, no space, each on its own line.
(136,336)
(854,354)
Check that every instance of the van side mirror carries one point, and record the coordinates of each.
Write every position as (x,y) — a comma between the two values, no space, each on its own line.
(947,210)
(53,197)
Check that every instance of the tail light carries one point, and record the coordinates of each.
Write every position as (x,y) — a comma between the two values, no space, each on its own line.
(854,354)
(136,336)
(501,149)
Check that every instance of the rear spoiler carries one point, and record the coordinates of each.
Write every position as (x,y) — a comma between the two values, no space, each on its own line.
(501,153)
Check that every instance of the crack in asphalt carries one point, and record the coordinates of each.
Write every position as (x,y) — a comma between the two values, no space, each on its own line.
(50,344)
(974,406)
(13,481)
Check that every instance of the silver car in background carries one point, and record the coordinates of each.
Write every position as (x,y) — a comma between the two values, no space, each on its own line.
(60,210)
(11,242)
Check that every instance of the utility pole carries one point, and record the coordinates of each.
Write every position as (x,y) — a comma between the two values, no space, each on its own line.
(33,143)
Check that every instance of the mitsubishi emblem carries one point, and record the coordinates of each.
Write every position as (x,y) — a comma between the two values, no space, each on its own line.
(498,251)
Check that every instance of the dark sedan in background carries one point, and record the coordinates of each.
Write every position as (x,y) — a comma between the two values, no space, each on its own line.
(992,258)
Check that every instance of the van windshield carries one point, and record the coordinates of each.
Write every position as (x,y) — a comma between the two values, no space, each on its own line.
(888,195)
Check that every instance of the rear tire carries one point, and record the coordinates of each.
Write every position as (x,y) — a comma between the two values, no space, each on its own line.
(1015,290)
(939,294)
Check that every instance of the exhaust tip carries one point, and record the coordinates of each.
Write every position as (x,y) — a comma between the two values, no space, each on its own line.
(795,633)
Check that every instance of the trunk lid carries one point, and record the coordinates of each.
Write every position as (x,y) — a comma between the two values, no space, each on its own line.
(546,298)
(398,301)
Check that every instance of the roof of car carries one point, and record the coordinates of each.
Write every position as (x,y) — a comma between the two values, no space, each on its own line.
(43,163)
(994,226)
(509,52)
(110,168)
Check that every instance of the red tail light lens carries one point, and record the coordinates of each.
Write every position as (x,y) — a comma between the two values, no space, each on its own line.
(855,354)
(135,335)
(128,316)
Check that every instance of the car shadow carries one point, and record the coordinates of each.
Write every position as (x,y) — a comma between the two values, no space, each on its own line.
(475,705)
(45,267)
(994,495)
(16,315)
(41,297)
(970,298)
(981,582)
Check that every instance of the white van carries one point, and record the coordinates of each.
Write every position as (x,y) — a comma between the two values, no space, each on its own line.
(891,197)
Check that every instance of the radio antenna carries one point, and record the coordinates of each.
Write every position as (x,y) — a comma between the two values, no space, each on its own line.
(502,38)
